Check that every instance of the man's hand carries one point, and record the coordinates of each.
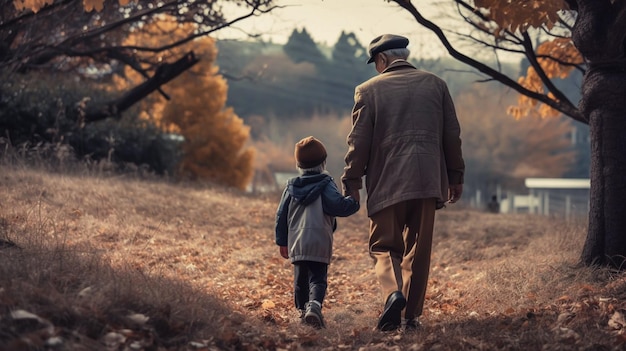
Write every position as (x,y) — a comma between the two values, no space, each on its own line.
(284,252)
(454,192)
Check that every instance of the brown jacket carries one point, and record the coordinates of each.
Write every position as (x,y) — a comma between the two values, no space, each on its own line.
(405,138)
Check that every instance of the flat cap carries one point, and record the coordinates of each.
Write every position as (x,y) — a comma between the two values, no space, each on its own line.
(386,42)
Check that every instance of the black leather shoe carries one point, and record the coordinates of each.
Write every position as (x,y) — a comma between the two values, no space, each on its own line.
(391,319)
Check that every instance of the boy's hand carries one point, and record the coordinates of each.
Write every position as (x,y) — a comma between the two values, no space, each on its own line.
(284,252)
(355,194)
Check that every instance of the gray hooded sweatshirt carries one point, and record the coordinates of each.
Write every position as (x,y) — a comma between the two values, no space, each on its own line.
(305,219)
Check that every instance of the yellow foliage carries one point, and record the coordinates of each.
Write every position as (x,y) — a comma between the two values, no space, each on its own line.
(36,5)
(33,5)
(519,15)
(90,5)
(156,34)
(215,137)
(560,50)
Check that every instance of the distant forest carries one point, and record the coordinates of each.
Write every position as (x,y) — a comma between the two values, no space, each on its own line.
(302,79)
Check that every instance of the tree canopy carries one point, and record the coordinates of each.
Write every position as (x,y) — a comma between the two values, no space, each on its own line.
(87,39)
(537,31)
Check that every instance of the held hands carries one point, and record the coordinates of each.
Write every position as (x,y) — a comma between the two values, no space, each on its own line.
(284,252)
(355,195)
(454,192)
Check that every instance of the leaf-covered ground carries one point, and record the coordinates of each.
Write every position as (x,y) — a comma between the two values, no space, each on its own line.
(120,263)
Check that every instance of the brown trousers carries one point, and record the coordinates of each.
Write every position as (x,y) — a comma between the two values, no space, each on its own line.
(400,243)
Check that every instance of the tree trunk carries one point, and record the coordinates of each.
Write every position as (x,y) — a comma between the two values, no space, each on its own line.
(600,37)
(606,236)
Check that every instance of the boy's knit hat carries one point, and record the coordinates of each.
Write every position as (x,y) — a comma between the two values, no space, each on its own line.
(309,153)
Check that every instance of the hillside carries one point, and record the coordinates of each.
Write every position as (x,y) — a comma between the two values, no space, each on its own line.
(124,263)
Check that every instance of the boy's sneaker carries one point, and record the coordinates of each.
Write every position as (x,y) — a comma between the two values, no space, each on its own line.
(412,324)
(313,315)
(301,314)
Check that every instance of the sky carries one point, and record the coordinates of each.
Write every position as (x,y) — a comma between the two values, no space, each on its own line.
(325,19)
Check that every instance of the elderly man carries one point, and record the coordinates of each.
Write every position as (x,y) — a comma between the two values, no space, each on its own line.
(405,139)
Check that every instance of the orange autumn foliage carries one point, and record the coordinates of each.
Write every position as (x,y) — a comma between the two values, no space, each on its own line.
(519,15)
(550,56)
(215,137)
(556,57)
(36,5)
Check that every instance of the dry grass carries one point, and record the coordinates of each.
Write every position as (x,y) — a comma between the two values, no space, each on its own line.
(99,254)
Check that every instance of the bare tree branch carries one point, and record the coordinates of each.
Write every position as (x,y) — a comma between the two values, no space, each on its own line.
(31,14)
(41,54)
(532,58)
(163,74)
(564,106)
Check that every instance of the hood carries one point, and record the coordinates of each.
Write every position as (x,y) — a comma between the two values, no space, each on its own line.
(306,188)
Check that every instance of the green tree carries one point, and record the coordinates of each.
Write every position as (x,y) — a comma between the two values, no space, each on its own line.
(346,70)
(214,144)
(595,30)
(301,47)
(348,49)
(280,87)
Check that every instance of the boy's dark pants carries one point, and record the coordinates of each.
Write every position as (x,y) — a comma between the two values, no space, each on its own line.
(310,282)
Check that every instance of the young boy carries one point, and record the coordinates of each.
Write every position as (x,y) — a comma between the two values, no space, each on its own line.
(305,222)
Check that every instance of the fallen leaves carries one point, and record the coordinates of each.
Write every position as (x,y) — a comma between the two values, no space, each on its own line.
(268,304)
(564,318)
(617,321)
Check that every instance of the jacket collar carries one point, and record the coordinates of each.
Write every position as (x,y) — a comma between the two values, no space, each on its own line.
(398,65)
